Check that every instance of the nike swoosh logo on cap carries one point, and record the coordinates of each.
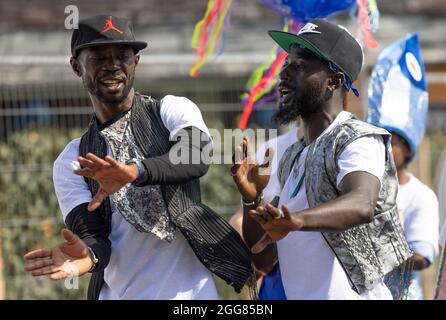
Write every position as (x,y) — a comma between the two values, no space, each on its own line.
(309,28)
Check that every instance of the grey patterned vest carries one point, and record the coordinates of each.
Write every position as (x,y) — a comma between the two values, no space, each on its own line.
(215,243)
(367,252)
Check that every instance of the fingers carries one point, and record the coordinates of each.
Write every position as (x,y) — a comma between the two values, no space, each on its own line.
(248,151)
(266,215)
(244,148)
(269,213)
(236,161)
(38,264)
(41,267)
(286,212)
(85,172)
(96,159)
(45,271)
(113,163)
(69,236)
(57,272)
(39,253)
(94,162)
(264,241)
(87,169)
(242,152)
(92,165)
(274,212)
(257,215)
(261,215)
(85,162)
(269,155)
(237,157)
(97,200)
(266,166)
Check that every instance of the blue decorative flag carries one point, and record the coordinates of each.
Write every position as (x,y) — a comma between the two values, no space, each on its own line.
(307,10)
(398,98)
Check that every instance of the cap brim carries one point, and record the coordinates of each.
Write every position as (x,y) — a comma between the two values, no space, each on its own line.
(137,45)
(285,40)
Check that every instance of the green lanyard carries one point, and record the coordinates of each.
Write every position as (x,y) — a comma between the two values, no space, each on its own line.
(301,180)
(299,185)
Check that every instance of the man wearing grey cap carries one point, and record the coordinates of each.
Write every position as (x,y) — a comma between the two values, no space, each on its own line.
(135,220)
(333,224)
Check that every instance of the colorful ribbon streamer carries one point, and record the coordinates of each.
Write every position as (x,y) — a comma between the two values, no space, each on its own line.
(207,33)
(368,16)
(261,85)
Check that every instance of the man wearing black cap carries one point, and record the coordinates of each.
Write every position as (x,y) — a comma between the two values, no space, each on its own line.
(135,220)
(334,223)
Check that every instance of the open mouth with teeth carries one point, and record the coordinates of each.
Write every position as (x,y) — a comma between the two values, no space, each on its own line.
(284,91)
(112,84)
(286,94)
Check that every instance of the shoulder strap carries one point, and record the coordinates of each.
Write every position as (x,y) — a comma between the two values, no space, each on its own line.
(288,159)
(93,141)
(148,128)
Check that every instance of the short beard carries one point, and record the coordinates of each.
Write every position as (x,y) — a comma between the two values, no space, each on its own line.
(110,101)
(309,102)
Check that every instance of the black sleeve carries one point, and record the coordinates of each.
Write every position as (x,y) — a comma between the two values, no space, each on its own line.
(189,146)
(91,228)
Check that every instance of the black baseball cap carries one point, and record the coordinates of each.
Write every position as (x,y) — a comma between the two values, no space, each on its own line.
(104,29)
(328,41)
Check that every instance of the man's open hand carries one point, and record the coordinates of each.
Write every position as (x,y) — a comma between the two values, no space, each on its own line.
(276,223)
(251,178)
(109,173)
(65,260)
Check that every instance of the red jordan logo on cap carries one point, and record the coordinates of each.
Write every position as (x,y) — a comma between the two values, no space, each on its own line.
(109,26)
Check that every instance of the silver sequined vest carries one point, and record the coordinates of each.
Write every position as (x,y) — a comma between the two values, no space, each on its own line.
(367,252)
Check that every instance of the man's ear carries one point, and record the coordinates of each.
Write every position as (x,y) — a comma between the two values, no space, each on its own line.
(136,59)
(76,66)
(336,81)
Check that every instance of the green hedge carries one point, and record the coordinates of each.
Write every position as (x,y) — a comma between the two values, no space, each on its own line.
(29,212)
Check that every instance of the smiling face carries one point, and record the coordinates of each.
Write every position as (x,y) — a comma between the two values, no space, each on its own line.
(107,71)
(303,86)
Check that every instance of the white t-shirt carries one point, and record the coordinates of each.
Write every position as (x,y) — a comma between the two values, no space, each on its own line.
(419,207)
(309,268)
(142,266)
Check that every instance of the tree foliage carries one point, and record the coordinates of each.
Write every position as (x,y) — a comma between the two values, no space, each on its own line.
(29,213)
